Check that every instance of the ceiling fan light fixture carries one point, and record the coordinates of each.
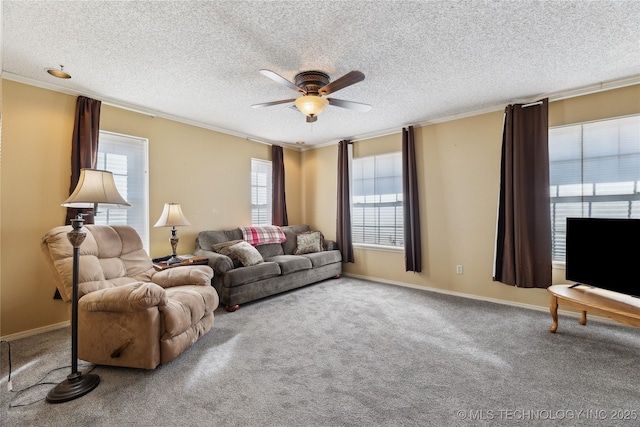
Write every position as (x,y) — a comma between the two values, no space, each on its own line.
(314,85)
(311,105)
(61,74)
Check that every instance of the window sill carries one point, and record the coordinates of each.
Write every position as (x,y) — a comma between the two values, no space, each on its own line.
(558,265)
(381,248)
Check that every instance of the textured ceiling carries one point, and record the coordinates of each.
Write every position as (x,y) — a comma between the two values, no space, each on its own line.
(423,60)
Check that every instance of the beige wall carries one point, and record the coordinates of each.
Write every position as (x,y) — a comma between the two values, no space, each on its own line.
(208,173)
(459,169)
(205,171)
(36,131)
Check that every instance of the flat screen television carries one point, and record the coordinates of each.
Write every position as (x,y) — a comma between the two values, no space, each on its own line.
(604,253)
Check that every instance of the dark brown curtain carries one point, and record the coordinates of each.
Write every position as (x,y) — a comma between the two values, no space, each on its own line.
(412,245)
(523,244)
(84,146)
(278,197)
(343,225)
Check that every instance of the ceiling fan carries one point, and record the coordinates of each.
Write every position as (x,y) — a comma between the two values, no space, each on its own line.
(314,85)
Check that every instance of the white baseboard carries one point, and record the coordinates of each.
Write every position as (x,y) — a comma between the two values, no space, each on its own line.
(481,298)
(36,331)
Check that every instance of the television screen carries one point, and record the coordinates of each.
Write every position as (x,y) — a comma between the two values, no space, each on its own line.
(604,253)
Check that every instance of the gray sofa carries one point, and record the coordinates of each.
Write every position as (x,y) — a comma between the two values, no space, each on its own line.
(278,271)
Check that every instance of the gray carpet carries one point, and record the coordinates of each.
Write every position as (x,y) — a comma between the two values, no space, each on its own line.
(350,352)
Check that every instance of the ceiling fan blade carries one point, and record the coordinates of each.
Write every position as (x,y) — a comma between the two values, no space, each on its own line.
(348,79)
(279,79)
(269,104)
(349,105)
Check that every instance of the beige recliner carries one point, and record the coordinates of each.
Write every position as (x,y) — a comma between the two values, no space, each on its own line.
(129,314)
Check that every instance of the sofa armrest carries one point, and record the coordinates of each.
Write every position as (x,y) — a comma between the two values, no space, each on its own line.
(220,263)
(330,245)
(126,298)
(183,275)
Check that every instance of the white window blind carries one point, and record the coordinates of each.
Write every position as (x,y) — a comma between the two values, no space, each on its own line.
(261,192)
(126,158)
(594,172)
(377,217)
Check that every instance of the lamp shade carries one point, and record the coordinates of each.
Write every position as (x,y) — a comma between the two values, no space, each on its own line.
(311,105)
(95,186)
(172,216)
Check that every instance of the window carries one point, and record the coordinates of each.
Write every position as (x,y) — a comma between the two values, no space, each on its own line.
(260,192)
(594,172)
(126,158)
(376,217)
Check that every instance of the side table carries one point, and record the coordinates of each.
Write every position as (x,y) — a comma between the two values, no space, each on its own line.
(161,264)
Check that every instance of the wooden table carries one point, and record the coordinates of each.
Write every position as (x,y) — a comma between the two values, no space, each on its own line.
(619,307)
(188,260)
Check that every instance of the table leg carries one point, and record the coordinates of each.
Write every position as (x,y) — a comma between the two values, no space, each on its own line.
(553,307)
(583,318)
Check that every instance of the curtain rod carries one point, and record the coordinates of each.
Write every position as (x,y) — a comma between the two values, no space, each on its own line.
(531,104)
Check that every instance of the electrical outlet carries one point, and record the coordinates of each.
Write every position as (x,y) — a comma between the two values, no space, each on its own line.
(458,269)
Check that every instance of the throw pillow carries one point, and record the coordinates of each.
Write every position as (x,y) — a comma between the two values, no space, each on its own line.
(309,242)
(218,247)
(223,249)
(247,254)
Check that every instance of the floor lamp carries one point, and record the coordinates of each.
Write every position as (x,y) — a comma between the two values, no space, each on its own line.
(94,187)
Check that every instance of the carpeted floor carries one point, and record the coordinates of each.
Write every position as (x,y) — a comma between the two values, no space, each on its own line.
(350,352)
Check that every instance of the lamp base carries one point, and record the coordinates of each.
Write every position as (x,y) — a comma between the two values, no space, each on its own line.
(173,260)
(76,385)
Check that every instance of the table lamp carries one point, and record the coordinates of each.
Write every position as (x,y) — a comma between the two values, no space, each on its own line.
(173,217)
(94,187)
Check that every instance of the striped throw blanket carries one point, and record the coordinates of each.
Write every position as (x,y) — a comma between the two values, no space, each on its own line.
(263,234)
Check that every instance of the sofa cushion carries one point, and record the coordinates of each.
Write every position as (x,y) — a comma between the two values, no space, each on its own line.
(206,239)
(290,244)
(291,263)
(270,249)
(291,232)
(309,242)
(244,275)
(318,259)
(247,254)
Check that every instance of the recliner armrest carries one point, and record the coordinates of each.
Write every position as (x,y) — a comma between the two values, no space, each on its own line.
(184,275)
(126,298)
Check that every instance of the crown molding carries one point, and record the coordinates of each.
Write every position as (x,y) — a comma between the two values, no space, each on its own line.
(555,96)
(138,109)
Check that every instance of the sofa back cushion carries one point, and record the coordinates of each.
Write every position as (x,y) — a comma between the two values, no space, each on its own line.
(270,249)
(210,240)
(292,231)
(206,239)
